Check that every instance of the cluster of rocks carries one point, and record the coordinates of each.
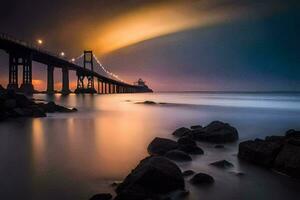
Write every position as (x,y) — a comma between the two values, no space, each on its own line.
(13,105)
(216,132)
(157,177)
(281,153)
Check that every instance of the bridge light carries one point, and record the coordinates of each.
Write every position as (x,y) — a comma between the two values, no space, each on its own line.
(39,41)
(62,54)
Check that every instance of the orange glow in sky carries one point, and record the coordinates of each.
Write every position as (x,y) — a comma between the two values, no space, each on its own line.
(158,20)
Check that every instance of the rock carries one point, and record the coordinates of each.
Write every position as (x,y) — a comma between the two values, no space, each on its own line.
(149,102)
(219,146)
(22,101)
(102,196)
(178,155)
(153,176)
(180,132)
(196,127)
(10,104)
(259,151)
(188,173)
(288,159)
(186,140)
(191,149)
(222,164)
(202,179)
(217,132)
(14,105)
(292,134)
(160,146)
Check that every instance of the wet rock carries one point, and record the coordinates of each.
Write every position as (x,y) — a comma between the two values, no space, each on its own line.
(51,107)
(288,159)
(155,175)
(10,104)
(196,127)
(202,179)
(160,146)
(292,134)
(191,149)
(180,132)
(178,155)
(102,196)
(222,164)
(188,173)
(14,105)
(260,152)
(149,102)
(217,132)
(219,146)
(186,140)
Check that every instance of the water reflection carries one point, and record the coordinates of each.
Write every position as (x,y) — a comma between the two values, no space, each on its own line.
(38,145)
(74,155)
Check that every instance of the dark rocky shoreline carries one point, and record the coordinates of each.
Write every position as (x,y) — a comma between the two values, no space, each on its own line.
(158,177)
(14,105)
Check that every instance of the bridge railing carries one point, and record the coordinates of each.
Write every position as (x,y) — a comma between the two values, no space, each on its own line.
(28,45)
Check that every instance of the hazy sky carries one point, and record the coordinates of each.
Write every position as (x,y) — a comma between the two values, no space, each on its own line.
(172,44)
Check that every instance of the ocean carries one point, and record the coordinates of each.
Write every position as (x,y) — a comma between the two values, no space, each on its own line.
(72,156)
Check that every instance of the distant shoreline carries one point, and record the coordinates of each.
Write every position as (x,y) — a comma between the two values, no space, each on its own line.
(208,91)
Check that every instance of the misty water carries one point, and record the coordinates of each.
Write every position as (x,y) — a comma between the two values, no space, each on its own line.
(73,156)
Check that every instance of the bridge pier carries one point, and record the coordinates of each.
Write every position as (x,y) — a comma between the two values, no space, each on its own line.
(27,86)
(13,72)
(24,60)
(50,79)
(65,81)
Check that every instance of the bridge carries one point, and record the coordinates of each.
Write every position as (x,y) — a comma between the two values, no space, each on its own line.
(21,54)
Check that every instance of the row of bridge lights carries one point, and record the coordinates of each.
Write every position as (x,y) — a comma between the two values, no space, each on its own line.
(40,42)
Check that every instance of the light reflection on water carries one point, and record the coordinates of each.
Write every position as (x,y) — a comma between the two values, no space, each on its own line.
(72,156)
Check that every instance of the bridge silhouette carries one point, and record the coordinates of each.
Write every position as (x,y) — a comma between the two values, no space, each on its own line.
(21,54)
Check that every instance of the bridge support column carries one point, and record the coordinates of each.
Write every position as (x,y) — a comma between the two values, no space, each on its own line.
(80,83)
(50,79)
(98,81)
(13,72)
(91,86)
(27,86)
(109,88)
(65,81)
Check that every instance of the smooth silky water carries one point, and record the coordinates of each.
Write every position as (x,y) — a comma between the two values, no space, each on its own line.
(73,156)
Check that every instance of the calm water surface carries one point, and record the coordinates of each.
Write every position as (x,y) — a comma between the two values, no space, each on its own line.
(72,156)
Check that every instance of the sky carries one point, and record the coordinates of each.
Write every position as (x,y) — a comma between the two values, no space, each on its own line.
(174,45)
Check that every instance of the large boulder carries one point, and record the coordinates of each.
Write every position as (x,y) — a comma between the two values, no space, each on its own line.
(281,153)
(196,127)
(191,149)
(260,152)
(186,140)
(217,132)
(160,146)
(155,175)
(188,145)
(202,179)
(288,159)
(178,155)
(180,132)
